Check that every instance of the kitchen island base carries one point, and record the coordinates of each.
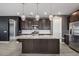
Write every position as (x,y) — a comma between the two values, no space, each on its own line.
(41,46)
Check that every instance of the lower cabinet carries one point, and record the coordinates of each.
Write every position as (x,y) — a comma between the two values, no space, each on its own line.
(66,39)
(36,46)
(42,46)
(27,46)
(53,46)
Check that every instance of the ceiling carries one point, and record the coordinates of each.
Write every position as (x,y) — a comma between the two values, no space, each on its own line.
(15,9)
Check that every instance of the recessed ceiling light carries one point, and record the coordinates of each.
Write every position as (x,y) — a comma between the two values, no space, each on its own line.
(45,13)
(59,13)
(18,13)
(31,13)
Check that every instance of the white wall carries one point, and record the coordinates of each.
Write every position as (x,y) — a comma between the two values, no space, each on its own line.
(64,25)
(12,29)
(57,27)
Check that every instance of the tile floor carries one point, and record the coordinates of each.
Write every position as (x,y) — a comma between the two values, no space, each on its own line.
(64,51)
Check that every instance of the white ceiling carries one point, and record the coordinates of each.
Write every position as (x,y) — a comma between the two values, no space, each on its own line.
(11,9)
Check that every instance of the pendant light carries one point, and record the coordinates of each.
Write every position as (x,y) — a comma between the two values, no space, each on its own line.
(23,17)
(50,16)
(31,13)
(37,16)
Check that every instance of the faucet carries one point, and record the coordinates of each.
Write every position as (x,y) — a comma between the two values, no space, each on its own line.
(35,30)
(35,33)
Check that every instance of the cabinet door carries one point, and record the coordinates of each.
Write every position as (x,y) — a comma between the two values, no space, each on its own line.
(27,46)
(36,48)
(43,46)
(53,46)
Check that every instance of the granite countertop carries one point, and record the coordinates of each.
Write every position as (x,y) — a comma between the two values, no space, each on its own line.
(37,37)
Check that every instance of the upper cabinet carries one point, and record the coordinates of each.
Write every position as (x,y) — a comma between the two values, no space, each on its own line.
(44,24)
(29,23)
(75,16)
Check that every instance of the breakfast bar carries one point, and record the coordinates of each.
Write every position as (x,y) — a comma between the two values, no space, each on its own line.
(42,44)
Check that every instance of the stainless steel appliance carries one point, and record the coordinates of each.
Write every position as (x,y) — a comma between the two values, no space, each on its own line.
(74,35)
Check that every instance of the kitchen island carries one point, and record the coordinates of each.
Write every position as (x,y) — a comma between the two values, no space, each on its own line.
(43,44)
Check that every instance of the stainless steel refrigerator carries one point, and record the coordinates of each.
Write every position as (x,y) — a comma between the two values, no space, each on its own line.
(74,35)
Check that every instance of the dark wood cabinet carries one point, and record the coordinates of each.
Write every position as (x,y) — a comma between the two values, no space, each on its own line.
(66,39)
(43,24)
(53,46)
(43,46)
(27,46)
(74,17)
(36,46)
(27,24)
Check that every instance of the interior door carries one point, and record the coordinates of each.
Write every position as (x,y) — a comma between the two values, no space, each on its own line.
(4,33)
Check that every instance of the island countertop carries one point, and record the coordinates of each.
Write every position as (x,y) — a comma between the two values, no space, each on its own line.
(37,37)
(44,44)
